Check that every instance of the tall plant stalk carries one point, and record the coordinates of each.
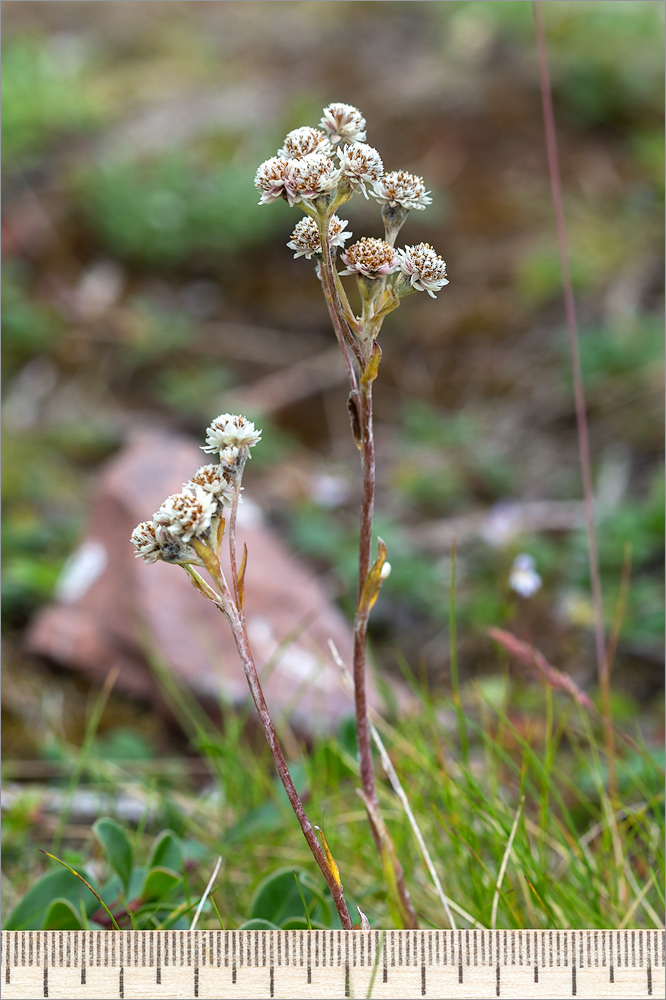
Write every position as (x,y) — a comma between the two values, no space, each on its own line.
(189,527)
(360,405)
(603,663)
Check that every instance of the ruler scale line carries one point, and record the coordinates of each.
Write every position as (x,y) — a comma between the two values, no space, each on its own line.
(581,964)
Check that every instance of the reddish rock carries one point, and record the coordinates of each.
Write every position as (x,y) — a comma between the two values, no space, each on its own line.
(115,611)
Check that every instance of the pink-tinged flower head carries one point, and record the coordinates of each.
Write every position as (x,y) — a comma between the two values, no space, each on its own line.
(424,268)
(215,480)
(302,141)
(401,188)
(361,164)
(310,177)
(153,542)
(371,258)
(343,122)
(305,237)
(270,179)
(186,515)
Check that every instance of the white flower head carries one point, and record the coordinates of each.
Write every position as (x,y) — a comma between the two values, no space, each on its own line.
(229,459)
(213,479)
(370,257)
(144,541)
(230,431)
(153,542)
(343,122)
(361,164)
(302,141)
(423,268)
(270,179)
(305,237)
(401,188)
(185,515)
(310,177)
(524,578)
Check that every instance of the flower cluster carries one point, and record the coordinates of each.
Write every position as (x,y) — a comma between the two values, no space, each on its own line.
(371,258)
(318,169)
(423,268)
(194,513)
(305,239)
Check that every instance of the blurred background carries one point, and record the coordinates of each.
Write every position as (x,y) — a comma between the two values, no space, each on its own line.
(143,286)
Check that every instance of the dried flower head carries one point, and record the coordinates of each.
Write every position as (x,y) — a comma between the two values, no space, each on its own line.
(371,258)
(301,141)
(213,479)
(270,179)
(401,188)
(310,177)
(230,431)
(305,237)
(524,578)
(186,515)
(361,164)
(153,542)
(423,268)
(343,121)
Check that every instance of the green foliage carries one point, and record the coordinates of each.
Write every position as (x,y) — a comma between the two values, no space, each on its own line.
(31,912)
(156,896)
(117,848)
(29,326)
(47,94)
(167,210)
(287,898)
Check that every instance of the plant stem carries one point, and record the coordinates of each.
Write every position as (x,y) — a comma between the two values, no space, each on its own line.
(236,619)
(379,831)
(603,667)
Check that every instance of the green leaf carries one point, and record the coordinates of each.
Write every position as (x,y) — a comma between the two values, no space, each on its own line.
(301,924)
(62,916)
(30,912)
(158,882)
(277,898)
(116,846)
(167,852)
(257,924)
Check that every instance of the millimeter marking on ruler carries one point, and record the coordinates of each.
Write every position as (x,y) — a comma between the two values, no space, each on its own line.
(111,965)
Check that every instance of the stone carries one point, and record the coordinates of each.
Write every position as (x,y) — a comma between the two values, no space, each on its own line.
(113,611)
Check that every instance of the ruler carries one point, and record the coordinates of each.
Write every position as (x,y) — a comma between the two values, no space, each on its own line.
(120,965)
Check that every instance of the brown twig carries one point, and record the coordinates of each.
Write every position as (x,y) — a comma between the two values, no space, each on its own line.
(361,401)
(579,394)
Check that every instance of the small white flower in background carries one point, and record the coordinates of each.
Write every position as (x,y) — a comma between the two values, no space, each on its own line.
(423,268)
(186,515)
(270,179)
(361,164)
(153,542)
(343,122)
(371,258)
(213,479)
(524,578)
(305,237)
(230,431)
(301,141)
(310,177)
(401,188)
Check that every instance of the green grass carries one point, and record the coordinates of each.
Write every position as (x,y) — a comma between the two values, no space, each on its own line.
(534,773)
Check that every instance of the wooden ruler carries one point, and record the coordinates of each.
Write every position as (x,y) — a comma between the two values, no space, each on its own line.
(322,964)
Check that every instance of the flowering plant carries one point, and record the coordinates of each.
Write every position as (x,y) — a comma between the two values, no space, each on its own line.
(317,170)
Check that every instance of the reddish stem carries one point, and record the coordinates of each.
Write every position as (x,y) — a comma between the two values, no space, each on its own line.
(579,393)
